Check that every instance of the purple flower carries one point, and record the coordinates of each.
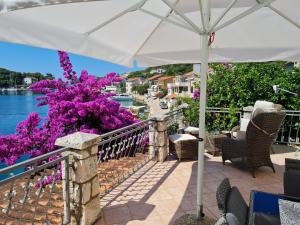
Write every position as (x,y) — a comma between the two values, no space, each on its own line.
(196,94)
(75,104)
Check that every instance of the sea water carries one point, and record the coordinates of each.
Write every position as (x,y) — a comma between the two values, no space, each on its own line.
(15,106)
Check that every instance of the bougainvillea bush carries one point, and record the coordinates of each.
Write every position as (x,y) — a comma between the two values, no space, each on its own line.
(77,103)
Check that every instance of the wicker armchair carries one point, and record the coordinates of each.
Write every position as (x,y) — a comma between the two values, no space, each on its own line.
(252,148)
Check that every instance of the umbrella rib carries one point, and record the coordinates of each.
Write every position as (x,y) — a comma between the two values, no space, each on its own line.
(244,14)
(131,8)
(168,20)
(160,22)
(285,16)
(185,18)
(228,8)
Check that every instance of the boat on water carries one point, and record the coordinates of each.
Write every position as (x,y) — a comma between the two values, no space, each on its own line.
(122,97)
(10,89)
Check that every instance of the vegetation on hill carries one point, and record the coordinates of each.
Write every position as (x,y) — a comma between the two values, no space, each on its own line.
(170,70)
(11,78)
(239,85)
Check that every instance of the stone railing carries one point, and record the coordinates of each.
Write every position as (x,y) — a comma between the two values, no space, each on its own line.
(66,186)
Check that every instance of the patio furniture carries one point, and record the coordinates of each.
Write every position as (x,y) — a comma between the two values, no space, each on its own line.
(183,146)
(213,142)
(252,148)
(248,112)
(263,207)
(291,178)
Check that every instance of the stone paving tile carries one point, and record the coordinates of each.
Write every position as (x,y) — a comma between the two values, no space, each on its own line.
(168,190)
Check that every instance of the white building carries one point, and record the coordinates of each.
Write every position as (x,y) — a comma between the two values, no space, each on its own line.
(131,82)
(29,80)
(158,71)
(182,85)
(153,90)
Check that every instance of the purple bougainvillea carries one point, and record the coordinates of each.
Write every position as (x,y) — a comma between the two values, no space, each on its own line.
(75,104)
(196,94)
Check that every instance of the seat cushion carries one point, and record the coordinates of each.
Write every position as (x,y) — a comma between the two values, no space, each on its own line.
(182,137)
(228,219)
(237,206)
(289,212)
(265,219)
(222,193)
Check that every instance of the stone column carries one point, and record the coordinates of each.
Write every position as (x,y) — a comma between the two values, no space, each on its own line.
(84,182)
(159,141)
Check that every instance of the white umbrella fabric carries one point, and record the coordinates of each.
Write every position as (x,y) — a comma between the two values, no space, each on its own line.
(157,32)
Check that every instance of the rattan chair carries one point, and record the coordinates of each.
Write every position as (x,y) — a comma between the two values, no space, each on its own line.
(252,148)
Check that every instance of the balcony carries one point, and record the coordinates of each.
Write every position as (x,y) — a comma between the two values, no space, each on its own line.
(128,176)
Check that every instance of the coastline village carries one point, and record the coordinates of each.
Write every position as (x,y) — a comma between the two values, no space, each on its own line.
(159,90)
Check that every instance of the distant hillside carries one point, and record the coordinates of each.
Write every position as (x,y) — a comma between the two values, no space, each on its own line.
(170,70)
(11,78)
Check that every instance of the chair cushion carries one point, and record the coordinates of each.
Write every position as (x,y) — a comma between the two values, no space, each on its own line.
(231,219)
(222,194)
(222,221)
(236,205)
(289,212)
(181,137)
(265,219)
(228,219)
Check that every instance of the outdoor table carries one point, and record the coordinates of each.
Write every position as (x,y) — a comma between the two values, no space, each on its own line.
(213,142)
(183,146)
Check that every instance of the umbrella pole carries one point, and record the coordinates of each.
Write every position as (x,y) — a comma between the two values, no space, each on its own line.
(203,79)
(200,171)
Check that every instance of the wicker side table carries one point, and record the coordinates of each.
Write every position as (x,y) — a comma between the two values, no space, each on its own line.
(183,146)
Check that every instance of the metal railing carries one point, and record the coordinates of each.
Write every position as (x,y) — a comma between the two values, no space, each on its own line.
(121,153)
(219,119)
(289,131)
(174,120)
(32,192)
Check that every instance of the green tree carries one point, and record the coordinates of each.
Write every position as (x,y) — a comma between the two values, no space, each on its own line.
(141,89)
(240,85)
(243,84)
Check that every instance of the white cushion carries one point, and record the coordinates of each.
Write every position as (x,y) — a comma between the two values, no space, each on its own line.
(263,104)
(192,130)
(289,212)
(267,106)
(181,137)
(244,124)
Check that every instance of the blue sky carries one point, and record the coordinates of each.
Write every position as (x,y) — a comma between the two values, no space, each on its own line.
(23,58)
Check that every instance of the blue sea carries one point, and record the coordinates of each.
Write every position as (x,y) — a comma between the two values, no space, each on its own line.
(15,106)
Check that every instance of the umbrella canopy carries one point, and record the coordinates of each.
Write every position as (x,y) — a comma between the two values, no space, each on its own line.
(155,32)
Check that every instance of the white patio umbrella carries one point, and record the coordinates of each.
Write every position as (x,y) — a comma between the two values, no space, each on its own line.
(156,32)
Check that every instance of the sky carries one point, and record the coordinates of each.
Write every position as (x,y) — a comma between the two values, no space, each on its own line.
(23,58)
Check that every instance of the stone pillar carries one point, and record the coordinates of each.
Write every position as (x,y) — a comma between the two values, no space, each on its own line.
(83,179)
(159,141)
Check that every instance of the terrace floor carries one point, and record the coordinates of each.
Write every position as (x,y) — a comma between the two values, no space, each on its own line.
(159,193)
